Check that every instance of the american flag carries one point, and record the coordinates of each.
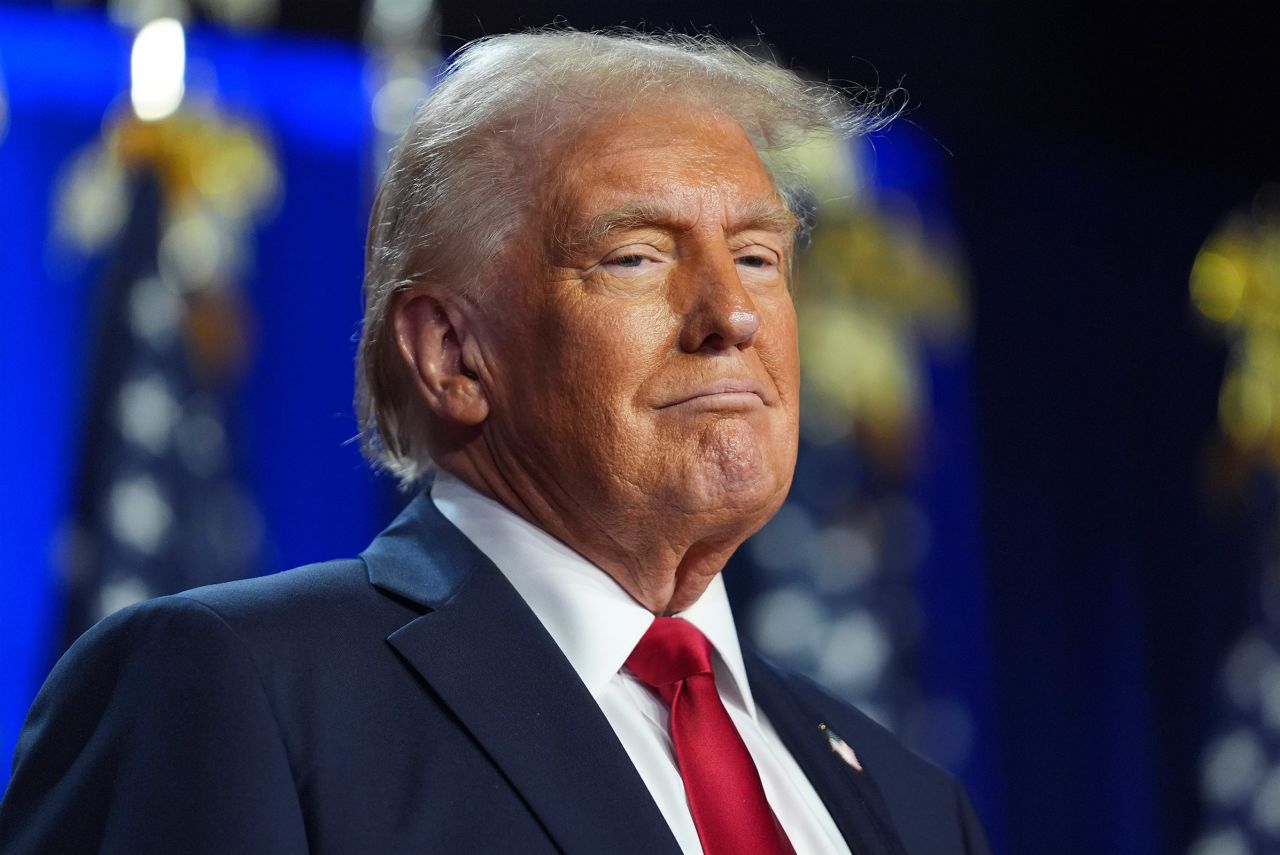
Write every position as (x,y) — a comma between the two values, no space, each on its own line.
(1240,766)
(157,509)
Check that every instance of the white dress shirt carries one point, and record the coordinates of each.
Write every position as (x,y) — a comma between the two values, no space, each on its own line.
(597,624)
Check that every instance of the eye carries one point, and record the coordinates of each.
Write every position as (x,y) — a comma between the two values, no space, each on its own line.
(756,257)
(634,258)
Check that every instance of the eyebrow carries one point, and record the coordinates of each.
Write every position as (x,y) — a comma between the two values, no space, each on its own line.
(765,214)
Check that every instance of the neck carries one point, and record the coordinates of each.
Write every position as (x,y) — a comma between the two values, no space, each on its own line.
(664,560)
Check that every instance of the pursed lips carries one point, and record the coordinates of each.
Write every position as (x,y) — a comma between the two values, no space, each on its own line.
(723,394)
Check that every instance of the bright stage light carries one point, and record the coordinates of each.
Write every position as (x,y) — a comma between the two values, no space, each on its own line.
(158,65)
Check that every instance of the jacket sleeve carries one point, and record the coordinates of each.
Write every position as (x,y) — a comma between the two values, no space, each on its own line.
(153,734)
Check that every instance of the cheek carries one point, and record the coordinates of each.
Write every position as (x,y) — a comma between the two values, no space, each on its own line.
(612,350)
(779,347)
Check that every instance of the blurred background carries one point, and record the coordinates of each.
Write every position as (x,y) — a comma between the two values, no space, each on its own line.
(1034,528)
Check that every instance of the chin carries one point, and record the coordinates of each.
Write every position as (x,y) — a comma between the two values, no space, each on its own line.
(742,471)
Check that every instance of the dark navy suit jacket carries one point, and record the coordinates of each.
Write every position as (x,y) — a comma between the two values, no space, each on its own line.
(405,702)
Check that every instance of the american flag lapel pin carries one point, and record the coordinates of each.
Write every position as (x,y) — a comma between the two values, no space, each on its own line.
(840,748)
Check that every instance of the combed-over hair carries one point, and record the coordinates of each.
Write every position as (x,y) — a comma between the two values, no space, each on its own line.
(461,179)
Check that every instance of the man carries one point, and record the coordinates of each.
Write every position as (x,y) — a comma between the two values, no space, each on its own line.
(578,310)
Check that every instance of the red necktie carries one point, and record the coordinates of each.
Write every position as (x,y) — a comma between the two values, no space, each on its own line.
(725,795)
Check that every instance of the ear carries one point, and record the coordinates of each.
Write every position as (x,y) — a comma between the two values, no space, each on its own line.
(430,337)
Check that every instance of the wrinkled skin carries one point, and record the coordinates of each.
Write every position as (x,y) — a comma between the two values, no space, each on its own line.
(630,381)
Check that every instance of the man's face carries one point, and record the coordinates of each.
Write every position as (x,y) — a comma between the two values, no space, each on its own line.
(641,339)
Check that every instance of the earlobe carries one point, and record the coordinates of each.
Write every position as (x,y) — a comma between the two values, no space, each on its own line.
(430,340)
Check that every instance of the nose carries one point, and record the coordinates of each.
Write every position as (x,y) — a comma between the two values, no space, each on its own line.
(721,314)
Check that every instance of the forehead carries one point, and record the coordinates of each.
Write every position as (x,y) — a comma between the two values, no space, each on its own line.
(682,165)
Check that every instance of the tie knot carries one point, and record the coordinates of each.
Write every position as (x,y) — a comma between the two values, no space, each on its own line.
(671,650)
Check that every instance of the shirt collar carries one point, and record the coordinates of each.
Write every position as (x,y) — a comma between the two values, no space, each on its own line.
(592,618)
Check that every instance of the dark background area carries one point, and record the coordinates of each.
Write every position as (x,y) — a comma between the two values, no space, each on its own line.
(1089,152)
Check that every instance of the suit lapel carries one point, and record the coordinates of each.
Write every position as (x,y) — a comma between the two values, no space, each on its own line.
(489,659)
(852,798)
